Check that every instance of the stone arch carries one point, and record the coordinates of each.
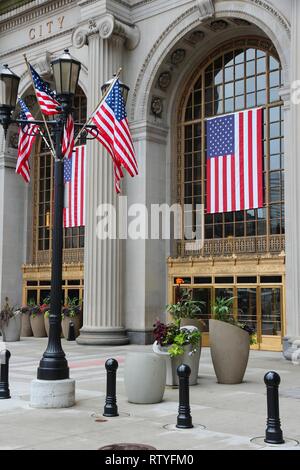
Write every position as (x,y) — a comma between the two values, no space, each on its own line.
(272,24)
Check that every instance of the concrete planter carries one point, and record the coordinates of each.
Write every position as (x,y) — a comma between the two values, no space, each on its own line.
(191,322)
(229,347)
(65,325)
(145,377)
(26,327)
(12,331)
(47,326)
(173,362)
(38,325)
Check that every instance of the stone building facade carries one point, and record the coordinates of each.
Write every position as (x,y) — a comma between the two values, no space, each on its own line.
(184,60)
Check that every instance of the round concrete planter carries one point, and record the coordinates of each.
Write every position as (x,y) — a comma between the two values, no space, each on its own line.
(191,322)
(38,325)
(12,331)
(145,377)
(47,325)
(65,325)
(229,347)
(26,327)
(173,362)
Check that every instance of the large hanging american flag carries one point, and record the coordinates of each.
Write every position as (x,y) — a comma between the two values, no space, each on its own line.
(25,142)
(68,137)
(235,162)
(74,179)
(45,96)
(110,118)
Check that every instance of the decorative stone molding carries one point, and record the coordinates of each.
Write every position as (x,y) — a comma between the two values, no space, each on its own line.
(178,56)
(196,36)
(206,8)
(30,12)
(43,65)
(106,26)
(156,106)
(240,22)
(164,80)
(274,12)
(253,11)
(218,25)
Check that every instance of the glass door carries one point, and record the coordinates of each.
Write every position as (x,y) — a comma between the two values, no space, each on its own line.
(271,317)
(247,308)
(204,294)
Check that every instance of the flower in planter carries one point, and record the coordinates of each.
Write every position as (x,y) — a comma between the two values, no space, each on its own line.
(6,313)
(72,308)
(223,310)
(184,306)
(175,338)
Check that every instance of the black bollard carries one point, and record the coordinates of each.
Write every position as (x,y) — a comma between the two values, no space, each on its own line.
(71,332)
(110,407)
(4,385)
(184,419)
(273,431)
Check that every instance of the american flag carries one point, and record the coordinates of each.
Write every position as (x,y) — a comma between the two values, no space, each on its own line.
(45,96)
(68,137)
(118,173)
(111,121)
(235,162)
(25,142)
(74,179)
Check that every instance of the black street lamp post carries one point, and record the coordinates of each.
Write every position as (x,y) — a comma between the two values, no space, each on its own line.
(53,365)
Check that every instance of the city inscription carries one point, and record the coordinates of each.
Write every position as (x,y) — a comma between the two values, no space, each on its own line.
(46,28)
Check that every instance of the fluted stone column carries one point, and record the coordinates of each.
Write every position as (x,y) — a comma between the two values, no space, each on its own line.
(292,196)
(102,316)
(13,194)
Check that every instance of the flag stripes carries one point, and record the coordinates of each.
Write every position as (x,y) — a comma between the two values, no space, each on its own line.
(45,96)
(27,136)
(68,137)
(235,180)
(74,177)
(111,121)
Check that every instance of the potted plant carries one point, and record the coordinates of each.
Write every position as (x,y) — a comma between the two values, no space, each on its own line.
(71,313)
(10,322)
(26,329)
(185,310)
(37,321)
(229,342)
(178,345)
(45,309)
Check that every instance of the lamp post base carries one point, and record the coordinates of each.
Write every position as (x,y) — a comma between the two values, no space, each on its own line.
(52,393)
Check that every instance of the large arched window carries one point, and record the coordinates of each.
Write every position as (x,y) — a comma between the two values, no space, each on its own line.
(242,74)
(43,200)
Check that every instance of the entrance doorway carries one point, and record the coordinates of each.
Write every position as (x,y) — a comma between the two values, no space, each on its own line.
(258,301)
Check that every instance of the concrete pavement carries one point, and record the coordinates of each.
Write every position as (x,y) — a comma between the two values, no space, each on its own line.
(229,415)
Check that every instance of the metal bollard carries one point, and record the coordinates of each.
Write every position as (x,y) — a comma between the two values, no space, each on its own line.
(110,407)
(71,332)
(273,431)
(184,418)
(4,385)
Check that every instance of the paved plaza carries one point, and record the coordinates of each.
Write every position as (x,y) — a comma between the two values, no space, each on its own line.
(229,415)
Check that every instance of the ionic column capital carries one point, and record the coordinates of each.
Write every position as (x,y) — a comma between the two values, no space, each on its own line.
(105,27)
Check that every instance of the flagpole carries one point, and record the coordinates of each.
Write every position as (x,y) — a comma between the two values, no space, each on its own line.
(102,98)
(43,117)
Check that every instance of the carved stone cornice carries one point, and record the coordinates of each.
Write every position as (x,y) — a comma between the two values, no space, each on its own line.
(30,11)
(271,9)
(105,27)
(206,8)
